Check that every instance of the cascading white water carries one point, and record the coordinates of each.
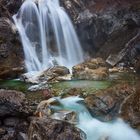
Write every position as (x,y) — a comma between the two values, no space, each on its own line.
(95,129)
(47,35)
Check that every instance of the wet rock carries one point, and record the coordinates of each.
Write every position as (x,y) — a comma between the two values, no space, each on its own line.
(55,74)
(48,129)
(13,103)
(65,115)
(32,77)
(106,104)
(94,69)
(130,109)
(40,86)
(45,109)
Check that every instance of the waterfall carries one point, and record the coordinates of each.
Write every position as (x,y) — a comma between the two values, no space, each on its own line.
(47,34)
(95,129)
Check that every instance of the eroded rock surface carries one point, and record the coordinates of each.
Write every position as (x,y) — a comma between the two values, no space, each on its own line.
(14,111)
(106,104)
(13,103)
(94,69)
(48,129)
(11,56)
(130,109)
(106,27)
(54,74)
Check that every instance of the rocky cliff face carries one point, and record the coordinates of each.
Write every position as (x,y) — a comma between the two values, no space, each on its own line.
(11,54)
(106,26)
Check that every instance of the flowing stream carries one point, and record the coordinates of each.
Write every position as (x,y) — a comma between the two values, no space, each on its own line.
(95,129)
(47,34)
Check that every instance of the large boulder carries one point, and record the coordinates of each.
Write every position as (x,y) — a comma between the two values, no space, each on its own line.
(49,129)
(106,104)
(54,74)
(57,73)
(13,103)
(14,111)
(94,69)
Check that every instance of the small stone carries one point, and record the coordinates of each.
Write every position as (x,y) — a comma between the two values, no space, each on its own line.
(65,115)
